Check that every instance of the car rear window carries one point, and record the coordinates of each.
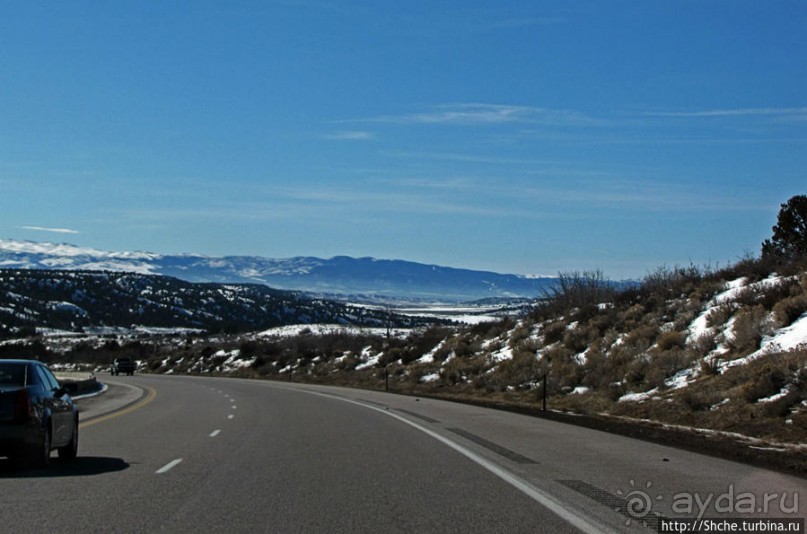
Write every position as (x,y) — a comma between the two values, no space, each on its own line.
(12,374)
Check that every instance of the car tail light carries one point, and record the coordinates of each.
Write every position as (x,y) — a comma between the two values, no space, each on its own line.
(24,409)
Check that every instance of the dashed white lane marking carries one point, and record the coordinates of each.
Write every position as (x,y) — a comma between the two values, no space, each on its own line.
(214,433)
(170,465)
(230,416)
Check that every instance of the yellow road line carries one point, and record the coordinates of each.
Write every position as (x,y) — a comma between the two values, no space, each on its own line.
(151,396)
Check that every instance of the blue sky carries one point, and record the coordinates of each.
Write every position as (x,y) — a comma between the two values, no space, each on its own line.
(519,137)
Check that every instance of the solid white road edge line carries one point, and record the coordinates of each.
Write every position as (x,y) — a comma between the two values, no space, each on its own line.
(167,467)
(539,496)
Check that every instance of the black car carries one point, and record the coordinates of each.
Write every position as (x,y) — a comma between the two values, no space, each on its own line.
(123,365)
(36,414)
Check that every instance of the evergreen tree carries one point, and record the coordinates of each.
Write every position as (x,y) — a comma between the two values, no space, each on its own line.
(789,240)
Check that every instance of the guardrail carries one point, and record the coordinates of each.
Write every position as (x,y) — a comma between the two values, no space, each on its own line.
(78,383)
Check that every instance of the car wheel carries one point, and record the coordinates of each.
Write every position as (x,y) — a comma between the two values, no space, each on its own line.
(41,456)
(70,451)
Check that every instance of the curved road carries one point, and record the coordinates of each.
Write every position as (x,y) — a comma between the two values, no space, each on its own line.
(182,454)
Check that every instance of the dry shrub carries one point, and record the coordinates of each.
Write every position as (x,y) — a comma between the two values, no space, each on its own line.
(348,363)
(710,366)
(461,346)
(748,296)
(616,390)
(468,349)
(719,315)
(665,365)
(642,336)
(554,332)
(606,320)
(578,339)
(700,400)
(628,361)
(769,381)
(671,340)
(703,344)
(599,370)
(488,330)
(420,343)
(567,374)
(577,290)
(672,281)
(750,325)
(416,371)
(750,267)
(588,403)
(463,369)
(636,372)
(443,352)
(787,311)
(782,406)
(520,334)
(631,318)
(771,295)
(586,313)
(523,368)
(686,314)
(530,345)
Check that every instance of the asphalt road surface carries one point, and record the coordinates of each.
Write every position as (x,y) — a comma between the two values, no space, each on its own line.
(190,454)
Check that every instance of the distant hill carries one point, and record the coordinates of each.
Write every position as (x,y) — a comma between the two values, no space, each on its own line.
(75,301)
(340,275)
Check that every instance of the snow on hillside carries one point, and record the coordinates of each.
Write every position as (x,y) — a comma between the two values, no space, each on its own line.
(783,339)
(328,329)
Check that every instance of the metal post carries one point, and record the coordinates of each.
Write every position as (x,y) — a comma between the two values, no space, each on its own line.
(543,407)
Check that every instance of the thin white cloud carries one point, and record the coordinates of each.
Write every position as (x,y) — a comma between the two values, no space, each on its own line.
(740,112)
(350,135)
(51,230)
(473,113)
(480,113)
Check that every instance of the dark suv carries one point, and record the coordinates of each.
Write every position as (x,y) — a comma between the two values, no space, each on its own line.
(123,365)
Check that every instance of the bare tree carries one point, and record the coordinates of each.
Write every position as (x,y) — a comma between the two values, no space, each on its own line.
(575,289)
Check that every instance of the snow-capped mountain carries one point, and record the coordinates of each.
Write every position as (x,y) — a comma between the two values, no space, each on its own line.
(340,275)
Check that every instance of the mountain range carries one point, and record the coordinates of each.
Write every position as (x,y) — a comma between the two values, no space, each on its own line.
(340,276)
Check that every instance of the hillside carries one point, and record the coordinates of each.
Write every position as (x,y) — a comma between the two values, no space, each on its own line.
(338,276)
(79,301)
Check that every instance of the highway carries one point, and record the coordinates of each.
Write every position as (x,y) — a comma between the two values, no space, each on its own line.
(184,454)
